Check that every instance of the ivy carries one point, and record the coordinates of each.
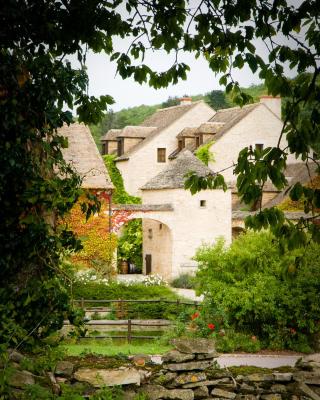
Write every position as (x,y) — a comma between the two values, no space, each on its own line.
(120,196)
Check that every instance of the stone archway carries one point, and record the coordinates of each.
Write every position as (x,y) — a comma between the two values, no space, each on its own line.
(157,235)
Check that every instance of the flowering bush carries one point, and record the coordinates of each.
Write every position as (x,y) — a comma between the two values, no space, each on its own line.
(98,244)
(154,280)
(200,325)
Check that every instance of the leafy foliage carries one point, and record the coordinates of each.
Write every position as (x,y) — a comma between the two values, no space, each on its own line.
(98,244)
(204,154)
(135,291)
(253,288)
(130,244)
(185,281)
(120,196)
(38,85)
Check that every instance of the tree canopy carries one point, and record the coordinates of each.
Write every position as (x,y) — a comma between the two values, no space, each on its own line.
(39,87)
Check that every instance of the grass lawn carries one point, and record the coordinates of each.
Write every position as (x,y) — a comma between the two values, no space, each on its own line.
(112,349)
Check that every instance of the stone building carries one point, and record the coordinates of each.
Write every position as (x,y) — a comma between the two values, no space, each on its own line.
(175,223)
(143,150)
(83,155)
(154,157)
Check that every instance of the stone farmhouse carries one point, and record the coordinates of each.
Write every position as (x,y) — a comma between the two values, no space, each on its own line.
(154,157)
(143,150)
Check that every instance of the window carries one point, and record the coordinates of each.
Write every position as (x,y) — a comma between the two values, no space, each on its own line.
(203,203)
(120,147)
(161,156)
(180,144)
(259,146)
(150,234)
(197,141)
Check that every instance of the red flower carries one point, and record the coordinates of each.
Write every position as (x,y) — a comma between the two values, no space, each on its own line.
(293,331)
(211,327)
(195,315)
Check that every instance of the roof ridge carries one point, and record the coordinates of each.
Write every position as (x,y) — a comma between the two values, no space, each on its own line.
(238,107)
(180,105)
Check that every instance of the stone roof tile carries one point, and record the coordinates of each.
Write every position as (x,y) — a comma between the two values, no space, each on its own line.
(82,153)
(173,177)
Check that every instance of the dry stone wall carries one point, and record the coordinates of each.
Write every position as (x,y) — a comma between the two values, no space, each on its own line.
(188,372)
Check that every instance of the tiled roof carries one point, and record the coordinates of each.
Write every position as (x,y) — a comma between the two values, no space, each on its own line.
(210,127)
(83,155)
(161,119)
(112,134)
(173,176)
(136,131)
(187,132)
(295,172)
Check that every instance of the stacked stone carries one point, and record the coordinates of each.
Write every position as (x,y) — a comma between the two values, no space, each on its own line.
(189,372)
(183,375)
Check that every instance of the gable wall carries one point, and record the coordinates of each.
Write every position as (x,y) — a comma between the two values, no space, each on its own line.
(190,225)
(259,126)
(142,164)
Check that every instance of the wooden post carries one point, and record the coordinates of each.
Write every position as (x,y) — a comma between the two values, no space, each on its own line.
(129,331)
(82,303)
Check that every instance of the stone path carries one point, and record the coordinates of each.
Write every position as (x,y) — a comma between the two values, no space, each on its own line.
(263,361)
(237,360)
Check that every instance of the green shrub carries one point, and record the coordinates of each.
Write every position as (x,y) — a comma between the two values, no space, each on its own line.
(253,288)
(237,341)
(184,281)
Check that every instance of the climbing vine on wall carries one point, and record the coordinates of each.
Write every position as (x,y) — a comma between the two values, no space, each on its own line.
(98,245)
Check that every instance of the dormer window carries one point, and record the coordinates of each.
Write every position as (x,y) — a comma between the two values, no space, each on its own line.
(180,144)
(120,147)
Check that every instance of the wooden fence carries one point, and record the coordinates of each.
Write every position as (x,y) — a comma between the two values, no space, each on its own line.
(128,322)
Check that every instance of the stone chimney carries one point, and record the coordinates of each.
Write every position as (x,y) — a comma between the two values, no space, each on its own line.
(185,100)
(273,103)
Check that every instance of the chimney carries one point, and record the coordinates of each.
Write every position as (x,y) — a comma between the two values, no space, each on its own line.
(185,100)
(273,103)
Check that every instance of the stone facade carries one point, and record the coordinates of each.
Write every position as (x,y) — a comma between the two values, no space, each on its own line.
(187,227)
(260,126)
(142,164)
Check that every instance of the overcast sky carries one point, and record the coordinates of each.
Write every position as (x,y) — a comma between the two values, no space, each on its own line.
(128,93)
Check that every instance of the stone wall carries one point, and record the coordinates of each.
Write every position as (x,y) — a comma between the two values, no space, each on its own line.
(260,126)
(188,372)
(142,164)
